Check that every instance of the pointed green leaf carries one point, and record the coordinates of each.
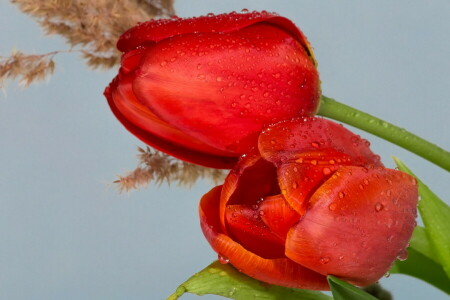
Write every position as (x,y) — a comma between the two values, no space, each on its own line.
(345,291)
(424,268)
(224,280)
(420,243)
(436,217)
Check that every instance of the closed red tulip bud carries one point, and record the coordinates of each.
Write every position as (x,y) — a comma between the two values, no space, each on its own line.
(202,89)
(312,201)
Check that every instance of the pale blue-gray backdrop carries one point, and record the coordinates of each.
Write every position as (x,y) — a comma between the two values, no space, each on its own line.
(66,233)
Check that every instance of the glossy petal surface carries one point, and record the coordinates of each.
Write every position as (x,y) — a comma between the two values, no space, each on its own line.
(242,81)
(359,222)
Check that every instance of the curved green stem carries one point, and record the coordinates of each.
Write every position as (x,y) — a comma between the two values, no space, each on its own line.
(331,108)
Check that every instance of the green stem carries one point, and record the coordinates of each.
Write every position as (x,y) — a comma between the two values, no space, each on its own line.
(331,108)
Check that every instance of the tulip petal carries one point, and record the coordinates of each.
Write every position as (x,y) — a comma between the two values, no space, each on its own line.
(315,140)
(157,133)
(280,271)
(156,30)
(245,226)
(248,182)
(279,217)
(358,223)
(225,88)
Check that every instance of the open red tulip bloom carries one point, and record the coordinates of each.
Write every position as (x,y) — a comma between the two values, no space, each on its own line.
(202,89)
(312,201)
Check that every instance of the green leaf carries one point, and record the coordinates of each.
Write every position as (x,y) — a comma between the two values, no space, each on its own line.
(424,268)
(345,291)
(436,217)
(420,243)
(224,280)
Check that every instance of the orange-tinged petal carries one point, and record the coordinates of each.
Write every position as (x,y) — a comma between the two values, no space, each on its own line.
(280,271)
(276,213)
(359,222)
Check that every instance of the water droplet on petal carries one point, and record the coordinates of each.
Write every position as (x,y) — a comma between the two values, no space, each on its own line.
(403,255)
(222,259)
(294,185)
(324,260)
(379,207)
(332,206)
(341,195)
(326,171)
(315,144)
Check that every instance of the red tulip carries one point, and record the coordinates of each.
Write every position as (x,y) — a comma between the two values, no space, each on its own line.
(202,89)
(313,201)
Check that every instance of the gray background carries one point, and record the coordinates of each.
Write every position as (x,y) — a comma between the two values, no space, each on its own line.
(66,233)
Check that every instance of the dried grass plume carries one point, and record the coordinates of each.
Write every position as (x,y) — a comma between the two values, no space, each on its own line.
(89,27)
(158,167)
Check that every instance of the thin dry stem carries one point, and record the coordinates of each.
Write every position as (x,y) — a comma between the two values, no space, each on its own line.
(158,167)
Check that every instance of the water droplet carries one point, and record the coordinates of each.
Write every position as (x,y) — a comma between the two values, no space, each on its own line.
(244,10)
(163,63)
(341,195)
(388,193)
(379,207)
(332,206)
(294,185)
(314,162)
(341,257)
(276,75)
(222,259)
(201,76)
(387,274)
(261,213)
(331,161)
(315,144)
(326,171)
(366,182)
(403,255)
(233,104)
(324,260)
(295,169)
(219,79)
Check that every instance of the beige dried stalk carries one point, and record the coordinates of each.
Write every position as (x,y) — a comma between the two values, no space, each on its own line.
(89,27)
(157,167)
(27,68)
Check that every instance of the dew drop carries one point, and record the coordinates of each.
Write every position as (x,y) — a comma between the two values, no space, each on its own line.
(314,162)
(387,274)
(163,63)
(219,79)
(341,195)
(366,182)
(341,257)
(379,207)
(332,206)
(294,185)
(201,76)
(233,104)
(403,255)
(326,171)
(244,10)
(315,145)
(324,260)
(222,259)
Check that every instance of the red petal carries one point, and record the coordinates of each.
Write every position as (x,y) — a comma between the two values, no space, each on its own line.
(250,180)
(223,89)
(279,271)
(316,140)
(246,227)
(360,220)
(157,30)
(299,181)
(157,133)
(279,217)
